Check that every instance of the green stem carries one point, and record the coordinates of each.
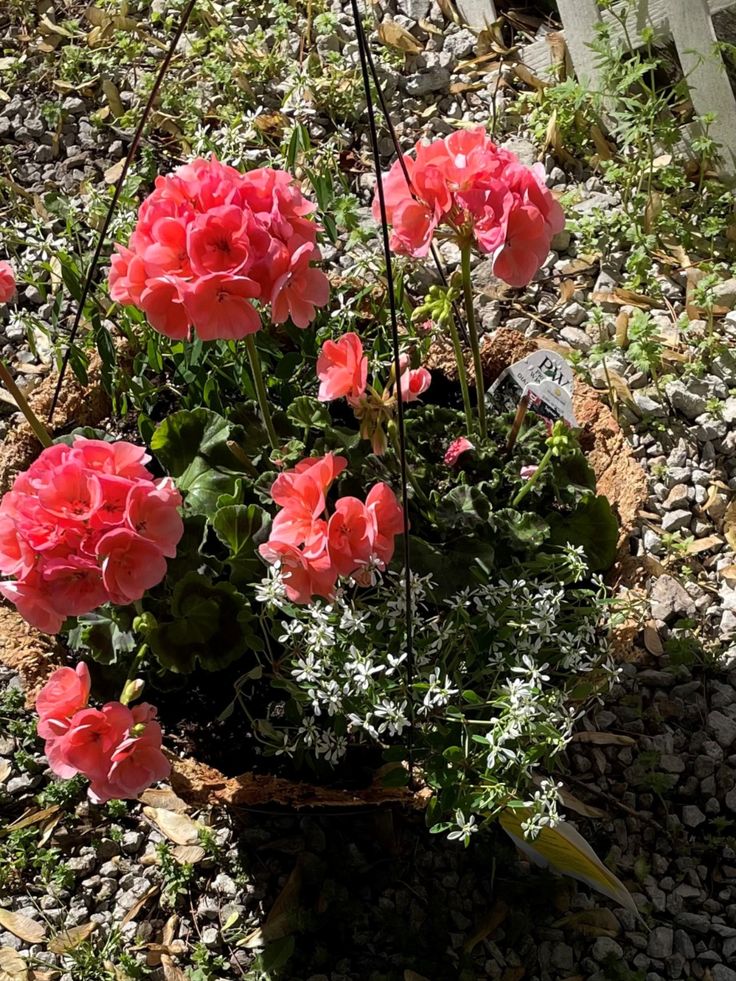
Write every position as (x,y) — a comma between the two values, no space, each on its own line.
(533,479)
(34,422)
(129,693)
(473,335)
(261,394)
(461,372)
(392,435)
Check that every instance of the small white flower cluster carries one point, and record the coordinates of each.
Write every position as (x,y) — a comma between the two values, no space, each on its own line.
(494,665)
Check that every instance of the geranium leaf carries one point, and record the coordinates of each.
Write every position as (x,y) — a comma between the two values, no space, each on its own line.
(594,526)
(193,446)
(237,525)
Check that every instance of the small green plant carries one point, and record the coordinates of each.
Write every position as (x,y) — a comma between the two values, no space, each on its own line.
(103,959)
(206,965)
(177,876)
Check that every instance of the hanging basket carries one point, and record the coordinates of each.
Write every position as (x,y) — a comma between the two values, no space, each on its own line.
(34,655)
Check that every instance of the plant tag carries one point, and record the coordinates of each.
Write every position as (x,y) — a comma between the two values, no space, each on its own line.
(551,401)
(537,367)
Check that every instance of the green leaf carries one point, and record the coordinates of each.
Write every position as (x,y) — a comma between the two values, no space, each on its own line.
(594,526)
(101,637)
(192,445)
(237,525)
(212,624)
(451,566)
(309,413)
(464,507)
(522,529)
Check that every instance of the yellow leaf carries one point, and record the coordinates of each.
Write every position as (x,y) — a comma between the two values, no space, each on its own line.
(565,851)
(29,819)
(178,828)
(395,36)
(22,926)
(71,938)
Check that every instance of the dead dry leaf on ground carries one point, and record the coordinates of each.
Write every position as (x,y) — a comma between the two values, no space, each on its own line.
(619,296)
(487,926)
(395,36)
(5,770)
(71,938)
(22,926)
(573,803)
(164,797)
(592,923)
(135,910)
(12,965)
(603,738)
(652,640)
(179,828)
(729,524)
(33,818)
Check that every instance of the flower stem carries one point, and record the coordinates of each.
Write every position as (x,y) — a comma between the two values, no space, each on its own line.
(462,374)
(34,422)
(480,390)
(133,686)
(533,479)
(261,394)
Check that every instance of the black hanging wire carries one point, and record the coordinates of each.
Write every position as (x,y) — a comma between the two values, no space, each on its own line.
(400,155)
(116,197)
(364,63)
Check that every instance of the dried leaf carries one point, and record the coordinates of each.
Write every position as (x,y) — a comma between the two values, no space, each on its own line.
(573,803)
(33,818)
(602,146)
(112,95)
(188,854)
(163,797)
(567,290)
(71,938)
(603,738)
(135,910)
(529,78)
(618,385)
(592,923)
(619,296)
(487,926)
(622,329)
(728,572)
(5,770)
(170,927)
(12,965)
(703,544)
(652,211)
(729,524)
(112,174)
(179,828)
(170,970)
(22,926)
(410,975)
(395,36)
(458,87)
(47,26)
(652,641)
(283,915)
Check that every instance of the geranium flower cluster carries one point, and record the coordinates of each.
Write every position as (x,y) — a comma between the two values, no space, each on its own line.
(481,193)
(209,241)
(312,549)
(86,524)
(117,748)
(342,369)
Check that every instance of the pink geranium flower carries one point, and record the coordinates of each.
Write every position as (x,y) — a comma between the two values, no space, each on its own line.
(413,383)
(92,736)
(217,241)
(342,369)
(152,512)
(74,584)
(136,762)
(162,302)
(474,190)
(388,515)
(205,220)
(7,282)
(300,289)
(219,306)
(66,692)
(130,565)
(351,532)
(456,449)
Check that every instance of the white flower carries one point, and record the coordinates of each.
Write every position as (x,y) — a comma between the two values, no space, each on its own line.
(464,828)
